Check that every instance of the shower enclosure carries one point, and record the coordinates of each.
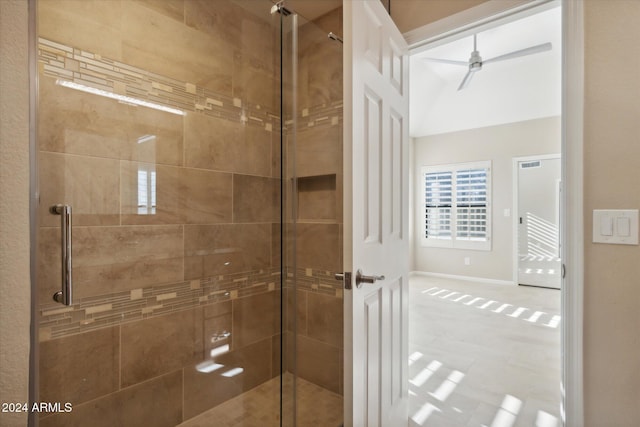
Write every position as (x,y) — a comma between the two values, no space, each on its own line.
(189,156)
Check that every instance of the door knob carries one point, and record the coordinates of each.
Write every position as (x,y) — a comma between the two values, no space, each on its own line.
(361,278)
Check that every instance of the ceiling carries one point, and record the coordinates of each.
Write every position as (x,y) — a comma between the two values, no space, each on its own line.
(311,9)
(507,91)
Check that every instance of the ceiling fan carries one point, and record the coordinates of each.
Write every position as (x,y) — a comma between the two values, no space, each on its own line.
(475,62)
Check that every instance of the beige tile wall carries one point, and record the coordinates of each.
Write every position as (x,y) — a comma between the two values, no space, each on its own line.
(155,403)
(158,288)
(80,368)
(102,370)
(320,61)
(215,45)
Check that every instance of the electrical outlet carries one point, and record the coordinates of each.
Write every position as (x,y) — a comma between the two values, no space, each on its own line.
(467,260)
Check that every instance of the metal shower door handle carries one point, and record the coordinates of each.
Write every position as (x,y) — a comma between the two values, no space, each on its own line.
(65,295)
(361,278)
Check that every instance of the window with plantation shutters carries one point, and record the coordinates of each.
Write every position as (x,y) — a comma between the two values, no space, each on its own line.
(471,204)
(438,203)
(457,206)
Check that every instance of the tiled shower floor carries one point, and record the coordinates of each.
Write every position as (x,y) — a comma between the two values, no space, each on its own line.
(259,407)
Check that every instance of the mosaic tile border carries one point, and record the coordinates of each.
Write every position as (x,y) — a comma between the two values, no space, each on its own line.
(320,281)
(319,115)
(78,66)
(108,310)
(95,312)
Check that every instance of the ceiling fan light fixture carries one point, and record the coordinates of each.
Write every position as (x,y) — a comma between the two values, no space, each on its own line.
(475,57)
(475,60)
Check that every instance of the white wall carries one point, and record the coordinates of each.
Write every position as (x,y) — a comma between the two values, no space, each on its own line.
(500,144)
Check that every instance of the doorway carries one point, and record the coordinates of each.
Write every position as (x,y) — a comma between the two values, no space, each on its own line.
(537,201)
(461,264)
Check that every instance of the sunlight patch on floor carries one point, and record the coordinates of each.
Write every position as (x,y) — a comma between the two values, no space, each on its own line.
(553,321)
(483,355)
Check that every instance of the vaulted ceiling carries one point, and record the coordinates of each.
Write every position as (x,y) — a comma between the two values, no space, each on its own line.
(507,91)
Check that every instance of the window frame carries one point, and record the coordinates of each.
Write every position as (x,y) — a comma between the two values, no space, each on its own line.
(454,242)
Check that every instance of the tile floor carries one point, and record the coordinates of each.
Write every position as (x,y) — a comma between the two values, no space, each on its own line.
(480,355)
(259,407)
(483,355)
(539,270)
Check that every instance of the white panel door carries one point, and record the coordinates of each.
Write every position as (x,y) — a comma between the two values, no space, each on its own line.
(376,142)
(538,222)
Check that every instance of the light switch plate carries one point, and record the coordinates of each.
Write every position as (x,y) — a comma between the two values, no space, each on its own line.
(615,226)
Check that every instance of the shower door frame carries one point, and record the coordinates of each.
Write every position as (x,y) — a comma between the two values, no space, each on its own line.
(34,199)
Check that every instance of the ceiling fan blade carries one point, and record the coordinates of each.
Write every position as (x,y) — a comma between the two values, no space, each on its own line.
(528,51)
(466,79)
(448,61)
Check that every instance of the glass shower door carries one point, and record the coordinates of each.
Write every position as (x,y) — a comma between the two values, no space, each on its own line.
(312,219)
(158,126)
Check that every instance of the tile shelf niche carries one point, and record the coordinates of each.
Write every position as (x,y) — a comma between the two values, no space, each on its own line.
(317,198)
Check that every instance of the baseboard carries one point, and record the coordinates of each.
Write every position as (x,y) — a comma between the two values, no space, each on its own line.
(466,278)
